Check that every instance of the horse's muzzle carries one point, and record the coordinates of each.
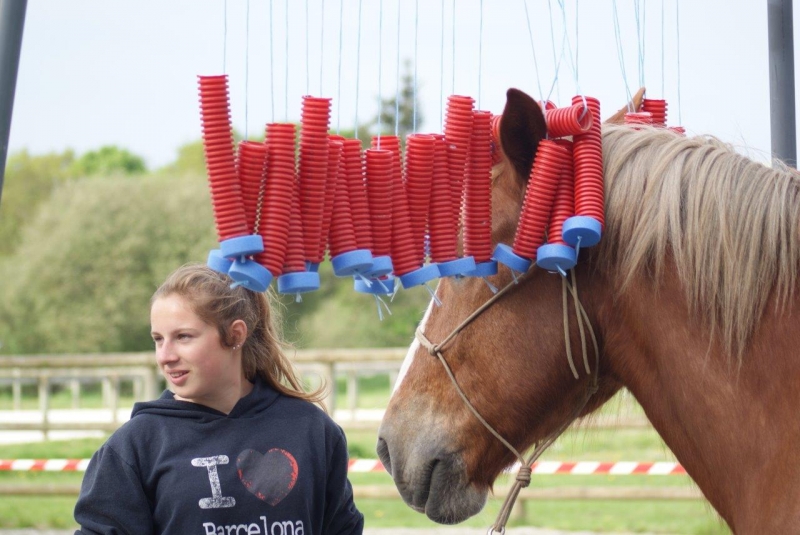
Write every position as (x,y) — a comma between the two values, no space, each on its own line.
(431,480)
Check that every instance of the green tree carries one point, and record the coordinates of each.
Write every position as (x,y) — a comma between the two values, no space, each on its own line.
(29,181)
(82,276)
(108,160)
(390,111)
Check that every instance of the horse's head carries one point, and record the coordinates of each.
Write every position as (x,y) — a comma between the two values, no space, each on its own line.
(511,362)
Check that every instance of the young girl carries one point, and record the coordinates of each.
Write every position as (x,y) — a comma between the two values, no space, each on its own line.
(235,446)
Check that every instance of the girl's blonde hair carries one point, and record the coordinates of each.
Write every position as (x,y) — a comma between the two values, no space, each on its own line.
(214,301)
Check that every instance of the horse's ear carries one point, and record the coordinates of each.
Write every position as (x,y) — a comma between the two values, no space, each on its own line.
(521,129)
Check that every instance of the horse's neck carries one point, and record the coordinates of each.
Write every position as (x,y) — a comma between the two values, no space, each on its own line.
(734,428)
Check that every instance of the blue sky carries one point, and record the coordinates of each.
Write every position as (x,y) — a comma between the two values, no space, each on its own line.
(98,72)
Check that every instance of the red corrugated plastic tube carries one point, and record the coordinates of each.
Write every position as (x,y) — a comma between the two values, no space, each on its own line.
(315,118)
(568,121)
(357,191)
(457,133)
(442,227)
(276,206)
(638,117)
(419,180)
(335,146)
(588,162)
(564,203)
(681,131)
(404,257)
(478,191)
(538,204)
(342,236)
(295,260)
(226,192)
(497,149)
(658,109)
(252,168)
(379,191)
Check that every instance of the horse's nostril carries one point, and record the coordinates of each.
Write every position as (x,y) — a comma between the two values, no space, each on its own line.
(383,454)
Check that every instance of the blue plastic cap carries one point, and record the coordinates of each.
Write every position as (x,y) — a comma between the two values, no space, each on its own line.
(554,256)
(505,255)
(298,282)
(420,276)
(484,269)
(251,275)
(461,266)
(376,287)
(217,262)
(313,267)
(242,246)
(347,264)
(381,265)
(588,229)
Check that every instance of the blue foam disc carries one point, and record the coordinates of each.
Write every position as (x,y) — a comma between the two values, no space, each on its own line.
(588,229)
(460,266)
(346,264)
(505,255)
(381,265)
(242,246)
(553,256)
(251,275)
(313,267)
(298,282)
(420,276)
(217,262)
(376,287)
(484,269)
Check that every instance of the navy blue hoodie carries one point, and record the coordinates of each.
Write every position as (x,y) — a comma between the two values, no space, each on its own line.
(274,465)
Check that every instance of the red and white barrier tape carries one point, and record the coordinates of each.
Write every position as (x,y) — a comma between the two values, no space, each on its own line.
(373,465)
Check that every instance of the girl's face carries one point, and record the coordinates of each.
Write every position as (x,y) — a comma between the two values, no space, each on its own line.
(197,367)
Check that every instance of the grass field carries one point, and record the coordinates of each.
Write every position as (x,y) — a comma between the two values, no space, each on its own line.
(673,517)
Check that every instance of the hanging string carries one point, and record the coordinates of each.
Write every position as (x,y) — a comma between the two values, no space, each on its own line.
(416,43)
(620,54)
(577,34)
(568,48)
(246,66)
(286,77)
(556,63)
(339,82)
(441,77)
(271,66)
(640,31)
(321,44)
(662,48)
(308,58)
(380,69)
(224,36)
(533,50)
(480,54)
(397,83)
(678,27)
(555,85)
(358,63)
(453,88)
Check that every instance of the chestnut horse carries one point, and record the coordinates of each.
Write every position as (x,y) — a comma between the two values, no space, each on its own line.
(692,296)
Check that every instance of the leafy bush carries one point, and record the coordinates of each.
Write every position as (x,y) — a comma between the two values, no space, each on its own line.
(82,277)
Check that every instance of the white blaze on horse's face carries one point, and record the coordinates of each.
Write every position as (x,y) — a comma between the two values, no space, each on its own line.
(413,349)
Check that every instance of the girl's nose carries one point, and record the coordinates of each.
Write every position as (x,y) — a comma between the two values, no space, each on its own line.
(165,353)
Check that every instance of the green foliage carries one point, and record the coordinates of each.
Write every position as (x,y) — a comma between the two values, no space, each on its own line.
(390,111)
(82,277)
(191,160)
(338,316)
(28,181)
(108,160)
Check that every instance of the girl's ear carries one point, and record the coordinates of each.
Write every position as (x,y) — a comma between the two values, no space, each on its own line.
(238,332)
(522,127)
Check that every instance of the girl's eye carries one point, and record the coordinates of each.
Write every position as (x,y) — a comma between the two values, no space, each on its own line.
(184,336)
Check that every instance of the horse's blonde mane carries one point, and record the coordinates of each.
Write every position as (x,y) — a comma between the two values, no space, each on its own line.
(729,224)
